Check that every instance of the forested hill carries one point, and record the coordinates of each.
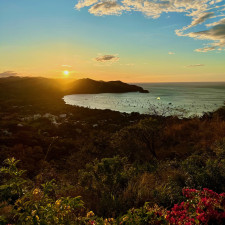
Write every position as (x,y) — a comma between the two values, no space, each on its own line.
(29,87)
(37,87)
(88,86)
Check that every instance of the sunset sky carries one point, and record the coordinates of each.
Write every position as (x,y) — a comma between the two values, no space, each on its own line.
(129,40)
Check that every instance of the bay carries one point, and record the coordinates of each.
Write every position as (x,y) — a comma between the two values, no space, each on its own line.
(182,99)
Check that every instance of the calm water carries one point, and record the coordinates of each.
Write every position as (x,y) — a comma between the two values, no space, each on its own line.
(185,99)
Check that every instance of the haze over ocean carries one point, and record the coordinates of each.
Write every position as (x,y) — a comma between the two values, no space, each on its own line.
(194,98)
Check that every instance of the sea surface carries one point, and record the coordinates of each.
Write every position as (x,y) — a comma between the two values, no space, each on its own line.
(182,99)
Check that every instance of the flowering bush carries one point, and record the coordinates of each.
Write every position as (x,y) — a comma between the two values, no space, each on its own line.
(37,205)
(201,207)
(41,205)
(145,215)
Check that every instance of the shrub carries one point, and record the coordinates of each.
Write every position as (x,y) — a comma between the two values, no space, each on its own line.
(35,205)
(145,215)
(201,207)
(205,172)
(106,180)
(27,204)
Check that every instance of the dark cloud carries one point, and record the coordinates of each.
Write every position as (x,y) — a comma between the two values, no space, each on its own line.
(100,8)
(8,74)
(106,8)
(107,58)
(202,18)
(216,34)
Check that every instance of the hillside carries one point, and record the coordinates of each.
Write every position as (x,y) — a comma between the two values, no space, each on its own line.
(88,86)
(29,87)
(45,87)
(127,168)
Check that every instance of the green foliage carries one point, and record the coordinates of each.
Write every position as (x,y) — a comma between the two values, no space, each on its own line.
(35,205)
(13,184)
(139,141)
(205,172)
(145,215)
(219,149)
(106,179)
(42,205)
(111,174)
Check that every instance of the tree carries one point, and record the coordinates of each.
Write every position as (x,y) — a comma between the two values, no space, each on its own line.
(134,140)
(106,180)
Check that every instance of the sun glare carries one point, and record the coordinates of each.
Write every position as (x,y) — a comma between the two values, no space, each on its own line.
(66,72)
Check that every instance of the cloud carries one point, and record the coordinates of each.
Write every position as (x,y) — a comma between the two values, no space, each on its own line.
(85,3)
(216,34)
(66,66)
(8,74)
(215,23)
(151,8)
(196,65)
(201,18)
(107,58)
(200,11)
(171,53)
(205,49)
(107,8)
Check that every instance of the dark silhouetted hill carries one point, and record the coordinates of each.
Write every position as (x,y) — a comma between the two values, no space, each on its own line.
(88,86)
(38,87)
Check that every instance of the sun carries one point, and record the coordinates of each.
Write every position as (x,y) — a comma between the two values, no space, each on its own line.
(66,72)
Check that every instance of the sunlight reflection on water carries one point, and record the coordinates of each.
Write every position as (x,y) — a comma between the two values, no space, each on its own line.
(194,98)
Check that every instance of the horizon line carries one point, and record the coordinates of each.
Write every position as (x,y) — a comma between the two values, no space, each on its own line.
(133,82)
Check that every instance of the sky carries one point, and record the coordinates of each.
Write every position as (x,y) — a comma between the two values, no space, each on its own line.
(128,40)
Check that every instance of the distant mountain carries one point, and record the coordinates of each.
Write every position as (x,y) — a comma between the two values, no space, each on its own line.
(30,86)
(88,86)
(39,87)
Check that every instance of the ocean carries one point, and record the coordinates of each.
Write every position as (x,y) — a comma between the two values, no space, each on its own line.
(181,99)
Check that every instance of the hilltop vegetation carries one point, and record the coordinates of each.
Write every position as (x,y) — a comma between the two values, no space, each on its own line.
(115,161)
(40,87)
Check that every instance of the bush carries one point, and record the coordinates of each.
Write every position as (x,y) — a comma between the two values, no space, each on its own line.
(34,205)
(25,203)
(205,172)
(105,181)
(201,207)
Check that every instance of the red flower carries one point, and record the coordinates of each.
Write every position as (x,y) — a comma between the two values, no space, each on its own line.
(206,205)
